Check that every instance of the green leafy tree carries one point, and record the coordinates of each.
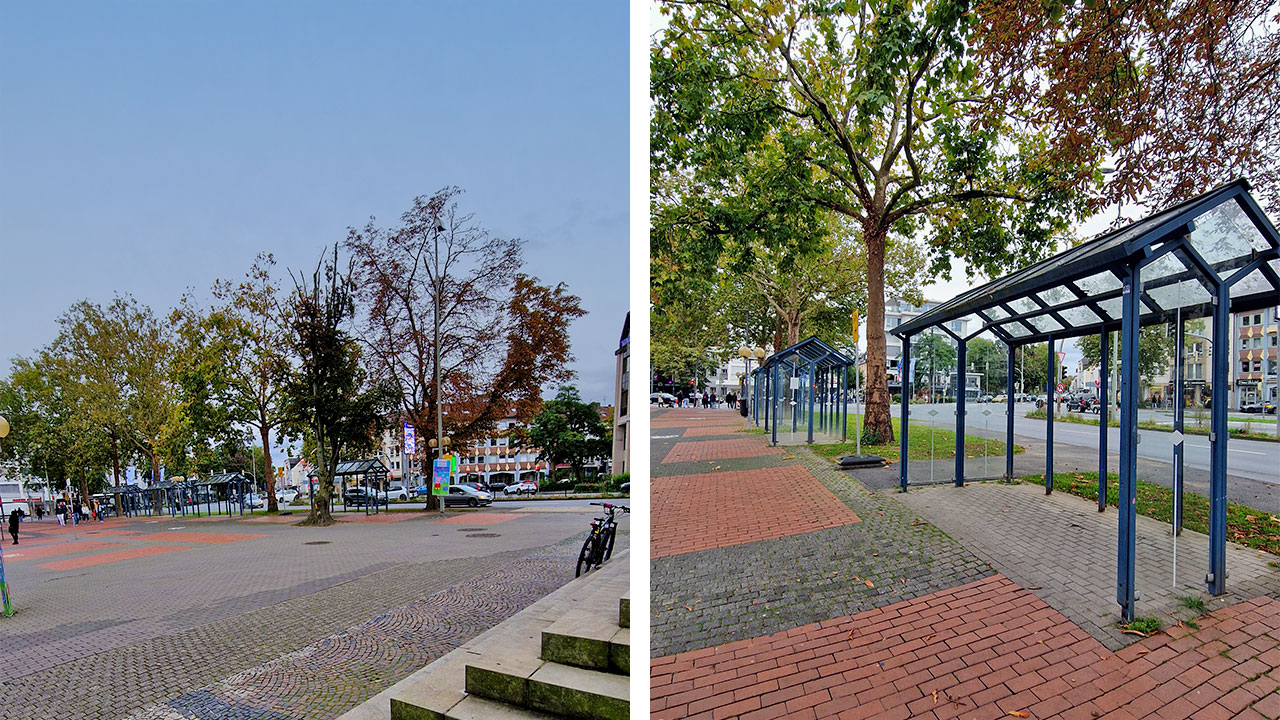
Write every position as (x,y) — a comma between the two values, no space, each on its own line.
(327,398)
(571,431)
(991,359)
(932,354)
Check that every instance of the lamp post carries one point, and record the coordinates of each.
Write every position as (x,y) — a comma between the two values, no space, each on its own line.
(5,603)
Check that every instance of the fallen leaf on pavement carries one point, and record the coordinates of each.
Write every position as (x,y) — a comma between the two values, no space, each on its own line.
(1019,713)
(868,583)
(1034,587)
(686,607)
(1139,633)
(788,457)
(935,697)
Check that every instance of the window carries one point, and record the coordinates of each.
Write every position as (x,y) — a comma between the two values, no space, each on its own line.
(1244,343)
(1257,366)
(1257,319)
(1244,321)
(1257,342)
(1244,366)
(1273,341)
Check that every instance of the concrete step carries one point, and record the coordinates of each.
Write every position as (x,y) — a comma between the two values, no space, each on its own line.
(511,649)
(561,690)
(589,636)
(477,708)
(624,610)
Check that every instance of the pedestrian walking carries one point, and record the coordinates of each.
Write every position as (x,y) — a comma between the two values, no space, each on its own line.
(61,511)
(14,518)
(39,512)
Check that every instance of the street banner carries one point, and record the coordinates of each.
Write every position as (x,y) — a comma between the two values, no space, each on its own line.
(440,477)
(410,440)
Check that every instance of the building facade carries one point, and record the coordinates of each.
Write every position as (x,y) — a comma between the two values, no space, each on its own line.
(1253,336)
(622,401)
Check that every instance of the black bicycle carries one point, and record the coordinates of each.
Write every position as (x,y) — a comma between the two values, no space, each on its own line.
(598,547)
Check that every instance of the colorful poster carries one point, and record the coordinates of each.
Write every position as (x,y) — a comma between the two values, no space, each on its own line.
(5,604)
(410,440)
(440,477)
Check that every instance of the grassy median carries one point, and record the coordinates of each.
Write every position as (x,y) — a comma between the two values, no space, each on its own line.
(941,446)
(1245,525)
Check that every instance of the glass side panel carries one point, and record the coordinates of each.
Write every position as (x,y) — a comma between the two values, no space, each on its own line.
(1098,284)
(1225,232)
(1187,292)
(1044,323)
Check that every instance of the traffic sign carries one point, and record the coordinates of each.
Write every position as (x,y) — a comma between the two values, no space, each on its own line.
(1062,388)
(1098,382)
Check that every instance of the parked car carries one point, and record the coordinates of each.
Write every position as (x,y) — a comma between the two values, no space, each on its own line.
(1256,407)
(663,399)
(362,496)
(1000,399)
(286,496)
(422,490)
(467,495)
(1083,403)
(397,492)
(521,488)
(985,398)
(254,500)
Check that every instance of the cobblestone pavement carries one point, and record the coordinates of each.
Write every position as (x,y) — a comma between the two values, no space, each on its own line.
(112,639)
(1064,548)
(985,650)
(713,596)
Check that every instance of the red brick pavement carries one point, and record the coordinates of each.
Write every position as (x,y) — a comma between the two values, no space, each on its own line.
(720,450)
(987,649)
(110,557)
(22,552)
(711,510)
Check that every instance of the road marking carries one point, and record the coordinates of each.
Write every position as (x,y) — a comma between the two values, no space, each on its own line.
(663,437)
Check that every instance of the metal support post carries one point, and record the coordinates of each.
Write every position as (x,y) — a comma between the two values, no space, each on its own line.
(1052,387)
(1104,416)
(1126,592)
(961,387)
(811,379)
(1217,579)
(1179,413)
(903,424)
(1008,420)
(777,395)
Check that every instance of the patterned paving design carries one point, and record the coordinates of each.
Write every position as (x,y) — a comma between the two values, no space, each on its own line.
(22,552)
(989,649)
(198,537)
(713,430)
(484,520)
(719,450)
(111,557)
(720,509)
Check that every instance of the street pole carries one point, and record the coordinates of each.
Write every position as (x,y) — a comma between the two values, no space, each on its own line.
(439,406)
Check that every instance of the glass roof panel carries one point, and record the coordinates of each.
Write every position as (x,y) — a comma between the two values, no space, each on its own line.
(1098,284)
(1078,316)
(1015,329)
(995,313)
(1044,323)
(1252,284)
(1162,267)
(1225,232)
(1024,305)
(1057,295)
(1187,292)
(1112,308)
(1146,308)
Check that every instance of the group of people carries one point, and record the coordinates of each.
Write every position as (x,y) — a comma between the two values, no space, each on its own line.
(61,510)
(706,399)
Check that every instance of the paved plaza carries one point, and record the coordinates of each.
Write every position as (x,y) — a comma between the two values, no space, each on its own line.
(942,603)
(257,618)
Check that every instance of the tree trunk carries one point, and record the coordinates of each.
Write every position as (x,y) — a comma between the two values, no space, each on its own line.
(793,329)
(268,472)
(115,463)
(155,468)
(878,423)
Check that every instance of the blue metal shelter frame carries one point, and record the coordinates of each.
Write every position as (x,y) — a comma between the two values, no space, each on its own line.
(371,474)
(1210,256)
(822,393)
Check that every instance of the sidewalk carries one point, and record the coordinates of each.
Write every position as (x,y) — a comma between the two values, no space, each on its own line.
(887,615)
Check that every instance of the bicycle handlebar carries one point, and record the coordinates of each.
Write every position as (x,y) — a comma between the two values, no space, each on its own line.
(608,506)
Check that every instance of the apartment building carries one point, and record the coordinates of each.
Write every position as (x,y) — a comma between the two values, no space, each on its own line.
(622,401)
(1253,366)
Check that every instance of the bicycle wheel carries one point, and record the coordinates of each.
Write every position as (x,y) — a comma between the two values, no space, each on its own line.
(585,556)
(608,549)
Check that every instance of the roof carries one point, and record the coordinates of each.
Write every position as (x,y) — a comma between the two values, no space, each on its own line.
(1182,251)
(361,467)
(808,351)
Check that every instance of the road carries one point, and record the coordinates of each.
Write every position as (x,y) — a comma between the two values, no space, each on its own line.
(1254,459)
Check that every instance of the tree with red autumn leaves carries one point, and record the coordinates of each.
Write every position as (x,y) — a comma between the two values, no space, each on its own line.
(504,336)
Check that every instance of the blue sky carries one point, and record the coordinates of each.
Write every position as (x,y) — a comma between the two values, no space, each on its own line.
(152,146)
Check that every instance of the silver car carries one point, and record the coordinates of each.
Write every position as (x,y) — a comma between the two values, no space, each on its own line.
(467,495)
